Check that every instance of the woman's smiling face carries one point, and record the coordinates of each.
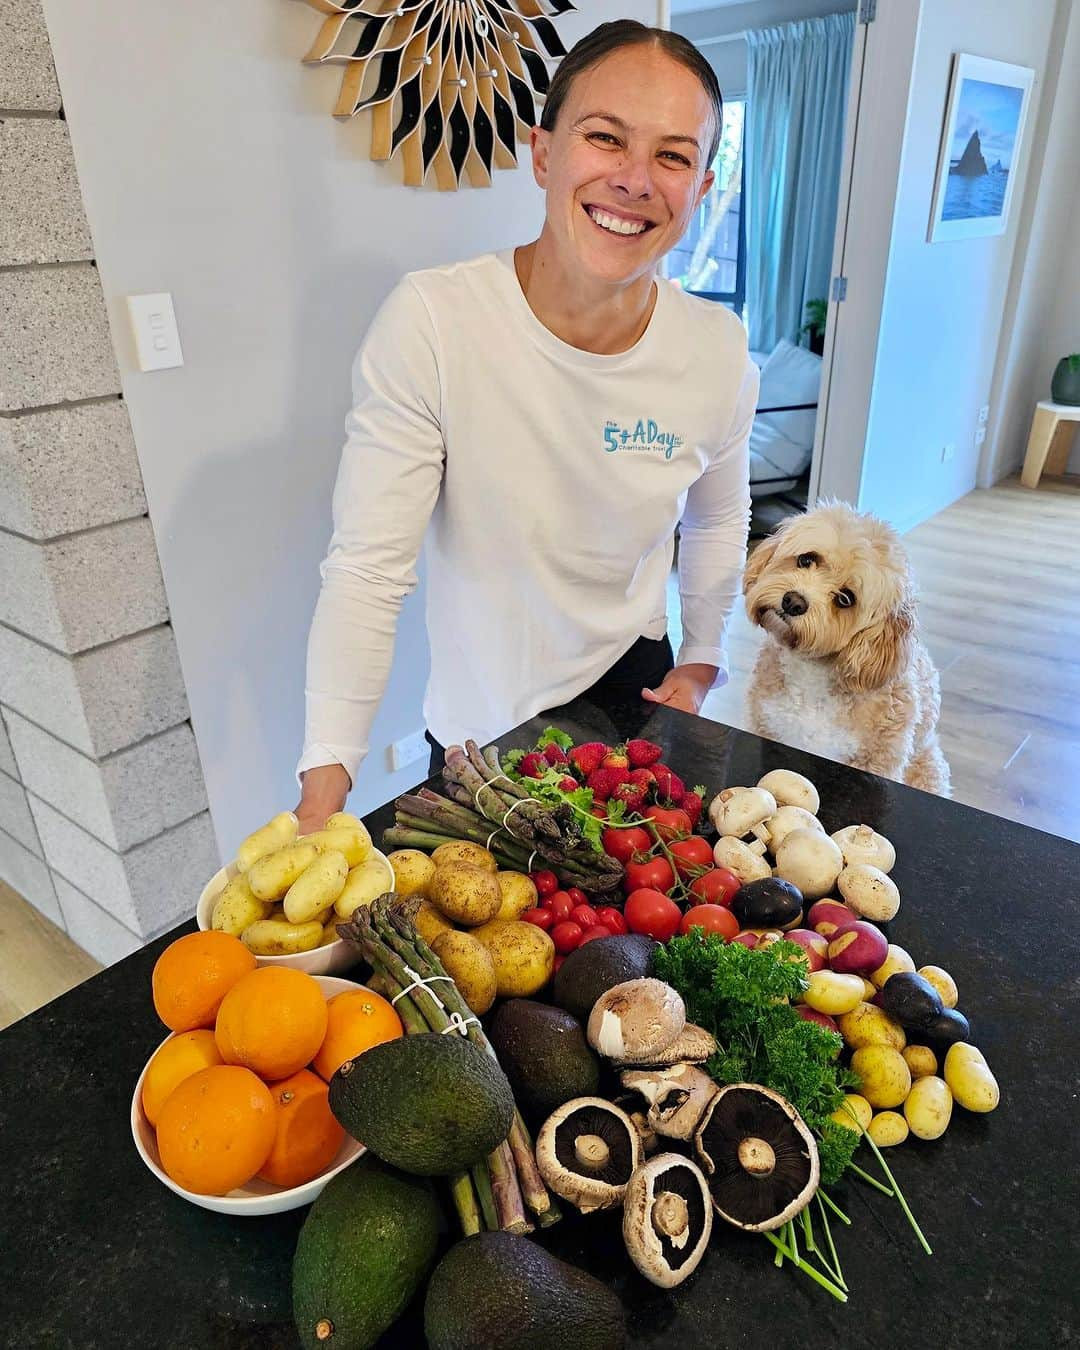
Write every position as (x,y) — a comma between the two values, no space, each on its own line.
(624,167)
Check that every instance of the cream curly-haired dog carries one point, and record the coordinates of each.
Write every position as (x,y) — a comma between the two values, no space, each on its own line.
(842,672)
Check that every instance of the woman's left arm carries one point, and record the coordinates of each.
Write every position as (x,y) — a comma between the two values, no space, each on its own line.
(712,552)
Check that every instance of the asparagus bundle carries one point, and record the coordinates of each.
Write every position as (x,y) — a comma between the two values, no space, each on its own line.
(480,795)
(496,1193)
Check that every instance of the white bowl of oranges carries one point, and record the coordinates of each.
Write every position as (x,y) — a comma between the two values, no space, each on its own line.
(231,1112)
(283,895)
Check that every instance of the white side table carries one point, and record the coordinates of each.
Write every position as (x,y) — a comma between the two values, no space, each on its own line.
(1052,431)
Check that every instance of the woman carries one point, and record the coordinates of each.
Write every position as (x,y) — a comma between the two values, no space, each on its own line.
(547,416)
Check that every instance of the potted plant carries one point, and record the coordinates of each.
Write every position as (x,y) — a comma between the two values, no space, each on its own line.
(1065,386)
(814,329)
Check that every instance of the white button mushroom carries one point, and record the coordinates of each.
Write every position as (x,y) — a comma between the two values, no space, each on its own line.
(861,844)
(742,859)
(737,810)
(788,818)
(791,789)
(811,861)
(869,892)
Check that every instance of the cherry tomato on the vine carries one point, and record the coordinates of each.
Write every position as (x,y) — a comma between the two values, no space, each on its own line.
(715,887)
(566,936)
(612,919)
(711,918)
(543,918)
(650,911)
(560,905)
(546,883)
(669,821)
(691,854)
(623,844)
(655,874)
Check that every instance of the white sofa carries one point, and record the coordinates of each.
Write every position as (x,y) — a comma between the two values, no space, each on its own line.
(782,443)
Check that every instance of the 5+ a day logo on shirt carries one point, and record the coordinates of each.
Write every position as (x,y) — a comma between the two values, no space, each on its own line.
(645,434)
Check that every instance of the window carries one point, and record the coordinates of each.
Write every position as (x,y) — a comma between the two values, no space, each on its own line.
(710,259)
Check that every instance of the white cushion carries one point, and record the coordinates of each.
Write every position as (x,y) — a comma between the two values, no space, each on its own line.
(783,443)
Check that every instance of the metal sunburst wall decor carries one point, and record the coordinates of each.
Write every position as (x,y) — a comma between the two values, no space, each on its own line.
(451,84)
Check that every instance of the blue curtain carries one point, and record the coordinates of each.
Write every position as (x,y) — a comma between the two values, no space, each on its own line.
(797,85)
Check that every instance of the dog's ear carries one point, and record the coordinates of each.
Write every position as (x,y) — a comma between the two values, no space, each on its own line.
(879,653)
(757,562)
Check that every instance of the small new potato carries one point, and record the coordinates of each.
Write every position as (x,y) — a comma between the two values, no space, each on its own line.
(316,888)
(897,960)
(352,840)
(470,965)
(430,922)
(831,993)
(236,908)
(518,894)
(888,1128)
(413,871)
(857,1106)
(943,982)
(275,937)
(928,1108)
(868,1024)
(523,954)
(970,1080)
(365,883)
(266,839)
(271,876)
(462,850)
(342,820)
(466,893)
(921,1060)
(885,1080)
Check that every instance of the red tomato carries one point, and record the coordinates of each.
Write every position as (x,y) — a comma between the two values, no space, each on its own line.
(597,931)
(656,874)
(623,844)
(669,821)
(546,883)
(543,918)
(560,905)
(715,887)
(566,936)
(650,911)
(691,854)
(557,963)
(612,919)
(577,895)
(712,918)
(584,915)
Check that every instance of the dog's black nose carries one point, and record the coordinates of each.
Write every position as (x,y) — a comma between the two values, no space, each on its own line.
(794,604)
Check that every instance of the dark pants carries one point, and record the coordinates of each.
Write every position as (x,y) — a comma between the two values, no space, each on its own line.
(642,667)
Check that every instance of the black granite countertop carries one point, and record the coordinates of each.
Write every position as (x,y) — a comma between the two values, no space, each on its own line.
(95,1252)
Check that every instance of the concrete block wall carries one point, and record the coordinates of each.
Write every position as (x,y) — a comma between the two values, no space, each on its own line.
(103,815)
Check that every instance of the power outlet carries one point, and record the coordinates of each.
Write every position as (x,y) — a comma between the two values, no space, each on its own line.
(980,436)
(947,452)
(984,414)
(408,750)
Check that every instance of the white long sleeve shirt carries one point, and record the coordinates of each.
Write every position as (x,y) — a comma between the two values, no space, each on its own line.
(546,484)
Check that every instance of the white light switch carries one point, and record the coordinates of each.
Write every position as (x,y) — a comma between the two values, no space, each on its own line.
(153,325)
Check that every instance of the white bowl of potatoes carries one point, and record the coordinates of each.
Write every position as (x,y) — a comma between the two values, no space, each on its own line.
(282,895)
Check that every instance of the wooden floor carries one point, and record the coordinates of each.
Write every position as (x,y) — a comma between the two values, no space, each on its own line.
(999,581)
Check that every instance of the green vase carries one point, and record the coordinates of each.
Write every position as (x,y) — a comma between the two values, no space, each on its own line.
(1065,386)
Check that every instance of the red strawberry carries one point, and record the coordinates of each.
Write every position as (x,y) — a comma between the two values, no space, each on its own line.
(669,786)
(555,754)
(568,784)
(604,782)
(585,758)
(633,794)
(533,765)
(643,778)
(642,753)
(616,759)
(693,803)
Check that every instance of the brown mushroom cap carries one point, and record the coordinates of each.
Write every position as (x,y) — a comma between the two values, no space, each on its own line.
(693,1045)
(667,1219)
(760,1156)
(637,1017)
(587,1152)
(677,1097)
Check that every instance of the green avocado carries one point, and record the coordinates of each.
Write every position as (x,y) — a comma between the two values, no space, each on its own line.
(496,1291)
(544,1054)
(429,1104)
(597,967)
(364,1251)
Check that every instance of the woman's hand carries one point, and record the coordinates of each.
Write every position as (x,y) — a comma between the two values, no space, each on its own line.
(684,687)
(322,792)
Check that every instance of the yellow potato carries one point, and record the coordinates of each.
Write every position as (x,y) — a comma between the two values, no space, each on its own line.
(853,1105)
(896,961)
(330,932)
(833,993)
(270,877)
(364,884)
(466,893)
(523,954)
(928,1108)
(518,894)
(868,1024)
(268,838)
(462,850)
(943,982)
(236,907)
(272,937)
(354,841)
(471,966)
(413,871)
(869,990)
(884,1078)
(342,820)
(888,1128)
(920,1059)
(430,922)
(316,888)
(970,1080)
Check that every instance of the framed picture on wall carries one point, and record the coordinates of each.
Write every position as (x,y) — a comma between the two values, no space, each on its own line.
(982,144)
